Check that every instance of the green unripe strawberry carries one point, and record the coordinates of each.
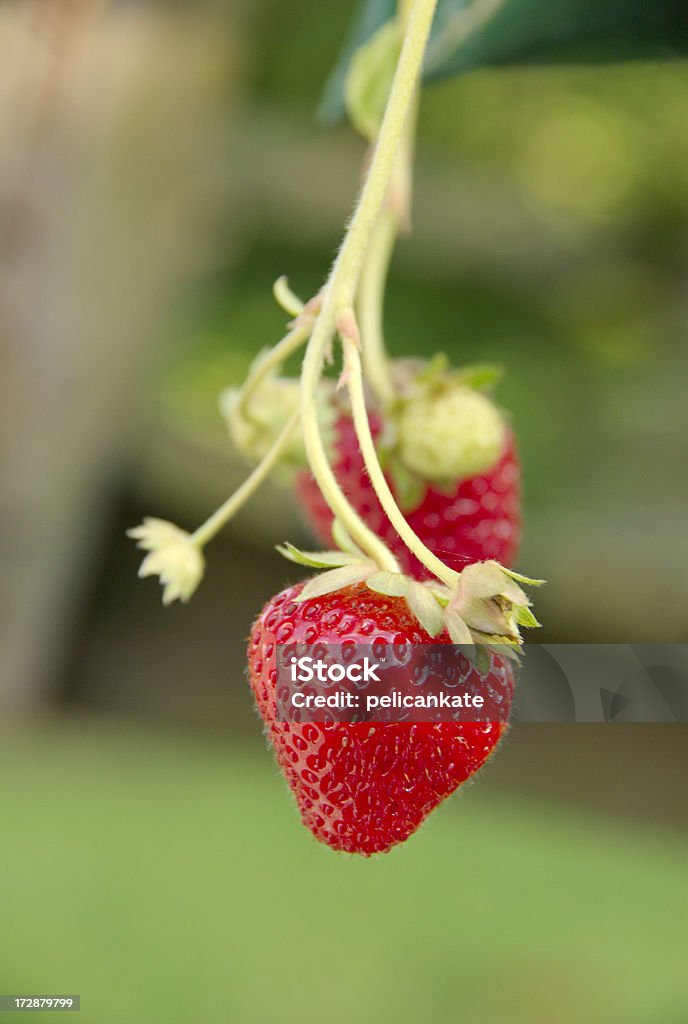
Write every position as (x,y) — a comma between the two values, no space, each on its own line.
(451,435)
(255,424)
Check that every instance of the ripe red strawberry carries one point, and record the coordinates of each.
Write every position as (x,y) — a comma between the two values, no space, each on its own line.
(473,520)
(363,788)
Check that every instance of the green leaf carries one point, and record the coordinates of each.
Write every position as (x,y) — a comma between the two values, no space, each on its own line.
(316,559)
(525,618)
(522,579)
(502,645)
(481,377)
(370,16)
(483,662)
(392,584)
(369,79)
(435,370)
(456,627)
(425,607)
(344,541)
(479,656)
(470,34)
(489,32)
(441,592)
(335,579)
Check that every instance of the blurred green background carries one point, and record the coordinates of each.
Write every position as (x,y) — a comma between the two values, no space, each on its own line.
(159,168)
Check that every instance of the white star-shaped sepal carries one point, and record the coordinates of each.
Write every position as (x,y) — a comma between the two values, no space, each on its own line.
(173,556)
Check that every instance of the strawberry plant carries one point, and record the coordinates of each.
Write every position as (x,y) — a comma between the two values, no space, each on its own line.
(407,470)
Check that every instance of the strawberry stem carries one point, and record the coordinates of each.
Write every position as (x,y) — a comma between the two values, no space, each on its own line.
(370,306)
(212,526)
(340,291)
(432,563)
(394,218)
(311,373)
(274,357)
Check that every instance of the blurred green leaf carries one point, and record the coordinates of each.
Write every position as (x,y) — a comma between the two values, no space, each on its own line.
(469,35)
(544,31)
(369,79)
(481,376)
(369,18)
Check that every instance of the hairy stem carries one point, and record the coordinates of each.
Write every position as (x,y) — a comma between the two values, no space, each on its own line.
(340,290)
(224,513)
(370,307)
(348,264)
(395,217)
(377,478)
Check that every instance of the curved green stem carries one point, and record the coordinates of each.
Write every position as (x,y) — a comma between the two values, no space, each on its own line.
(317,456)
(286,298)
(273,358)
(377,478)
(340,290)
(370,307)
(224,513)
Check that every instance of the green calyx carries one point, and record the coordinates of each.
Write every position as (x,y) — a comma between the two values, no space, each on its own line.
(487,607)
(443,427)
